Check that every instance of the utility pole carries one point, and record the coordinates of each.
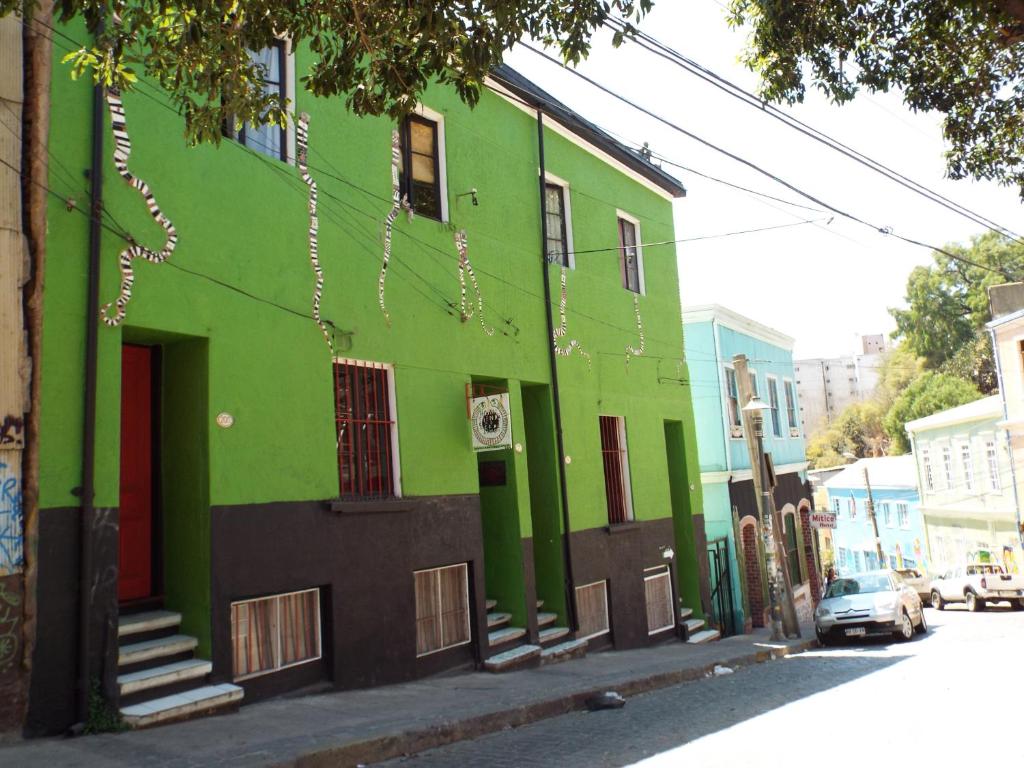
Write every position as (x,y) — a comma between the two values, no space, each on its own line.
(780,592)
(874,520)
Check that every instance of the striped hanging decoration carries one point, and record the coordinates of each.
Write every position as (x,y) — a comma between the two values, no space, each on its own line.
(398,202)
(302,146)
(560,331)
(122,151)
(466,307)
(632,351)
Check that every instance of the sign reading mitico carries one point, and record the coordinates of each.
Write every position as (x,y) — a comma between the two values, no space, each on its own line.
(490,422)
(823,519)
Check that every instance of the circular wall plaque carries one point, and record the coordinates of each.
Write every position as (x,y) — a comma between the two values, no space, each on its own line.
(225,419)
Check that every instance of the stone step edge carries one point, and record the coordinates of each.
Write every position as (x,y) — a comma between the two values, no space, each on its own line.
(518,655)
(154,649)
(148,621)
(155,677)
(181,705)
(705,636)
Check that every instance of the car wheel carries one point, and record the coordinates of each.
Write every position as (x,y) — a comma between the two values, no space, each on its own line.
(822,639)
(974,603)
(937,600)
(905,629)
(922,628)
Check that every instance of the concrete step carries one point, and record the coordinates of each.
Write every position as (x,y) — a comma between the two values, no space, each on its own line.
(546,619)
(155,677)
(706,636)
(684,614)
(553,635)
(491,604)
(515,658)
(155,649)
(693,625)
(497,619)
(148,621)
(182,705)
(571,649)
(505,635)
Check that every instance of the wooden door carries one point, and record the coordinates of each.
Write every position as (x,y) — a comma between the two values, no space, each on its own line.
(135,579)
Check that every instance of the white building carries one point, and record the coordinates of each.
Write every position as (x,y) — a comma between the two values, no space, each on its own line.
(826,385)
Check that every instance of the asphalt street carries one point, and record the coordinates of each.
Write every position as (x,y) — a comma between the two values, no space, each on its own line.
(952,697)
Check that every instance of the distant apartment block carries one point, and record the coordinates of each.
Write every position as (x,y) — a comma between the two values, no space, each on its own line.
(826,385)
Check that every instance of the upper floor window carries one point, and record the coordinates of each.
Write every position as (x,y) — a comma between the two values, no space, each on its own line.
(929,478)
(968,466)
(835,506)
(992,461)
(947,466)
(367,432)
(773,402)
(851,508)
(618,493)
(421,178)
(272,140)
(754,391)
(559,223)
(902,515)
(631,259)
(886,513)
(790,404)
(732,397)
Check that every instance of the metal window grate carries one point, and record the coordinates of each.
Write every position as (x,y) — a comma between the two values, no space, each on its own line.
(658,593)
(616,469)
(592,609)
(365,428)
(442,608)
(275,632)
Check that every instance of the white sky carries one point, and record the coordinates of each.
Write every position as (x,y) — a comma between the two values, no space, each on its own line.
(822,285)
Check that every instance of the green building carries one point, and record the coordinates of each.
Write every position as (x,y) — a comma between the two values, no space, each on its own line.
(286,486)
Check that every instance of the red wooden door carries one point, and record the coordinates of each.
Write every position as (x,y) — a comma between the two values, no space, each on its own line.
(136,503)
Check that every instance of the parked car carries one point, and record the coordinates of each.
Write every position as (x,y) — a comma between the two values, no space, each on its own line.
(919,581)
(978,584)
(866,604)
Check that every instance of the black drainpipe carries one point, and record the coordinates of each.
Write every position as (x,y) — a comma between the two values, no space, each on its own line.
(89,428)
(570,604)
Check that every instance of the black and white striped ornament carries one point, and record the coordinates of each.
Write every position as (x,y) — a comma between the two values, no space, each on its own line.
(466,308)
(632,351)
(398,203)
(560,331)
(302,154)
(122,151)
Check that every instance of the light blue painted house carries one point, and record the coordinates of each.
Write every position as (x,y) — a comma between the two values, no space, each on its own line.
(897,506)
(713,336)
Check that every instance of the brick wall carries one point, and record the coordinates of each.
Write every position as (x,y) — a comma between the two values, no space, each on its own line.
(814,578)
(753,570)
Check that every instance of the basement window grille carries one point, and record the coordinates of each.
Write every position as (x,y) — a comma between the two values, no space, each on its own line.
(442,608)
(592,610)
(616,469)
(658,591)
(367,433)
(275,632)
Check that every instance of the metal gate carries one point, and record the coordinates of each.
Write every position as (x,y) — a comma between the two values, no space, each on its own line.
(723,611)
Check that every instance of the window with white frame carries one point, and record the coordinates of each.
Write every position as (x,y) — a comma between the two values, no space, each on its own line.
(367,430)
(886,513)
(754,391)
(275,632)
(592,610)
(422,164)
(836,506)
(790,404)
(926,464)
(773,404)
(559,222)
(658,595)
(630,255)
(967,466)
(992,462)
(947,466)
(277,65)
(732,397)
(442,608)
(851,508)
(902,515)
(618,493)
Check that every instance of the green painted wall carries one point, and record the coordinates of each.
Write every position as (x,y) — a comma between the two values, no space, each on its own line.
(242,221)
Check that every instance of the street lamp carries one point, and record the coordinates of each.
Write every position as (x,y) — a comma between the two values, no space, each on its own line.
(755,409)
(871,513)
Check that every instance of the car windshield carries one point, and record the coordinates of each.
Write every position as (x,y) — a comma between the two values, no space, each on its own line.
(859,584)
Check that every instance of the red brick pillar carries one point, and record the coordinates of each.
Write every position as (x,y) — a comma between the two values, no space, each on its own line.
(813,576)
(755,589)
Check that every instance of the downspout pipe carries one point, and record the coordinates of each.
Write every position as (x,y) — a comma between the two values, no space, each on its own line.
(89,425)
(570,591)
(1009,438)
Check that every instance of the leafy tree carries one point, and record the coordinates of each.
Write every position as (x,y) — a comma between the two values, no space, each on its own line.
(858,430)
(898,368)
(930,393)
(947,306)
(378,54)
(959,58)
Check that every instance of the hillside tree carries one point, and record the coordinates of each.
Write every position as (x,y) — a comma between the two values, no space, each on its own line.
(930,393)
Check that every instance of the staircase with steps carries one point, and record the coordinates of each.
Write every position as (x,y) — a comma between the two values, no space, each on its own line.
(159,678)
(693,629)
(510,652)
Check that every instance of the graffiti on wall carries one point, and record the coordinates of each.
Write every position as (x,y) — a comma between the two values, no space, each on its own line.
(11,550)
(10,613)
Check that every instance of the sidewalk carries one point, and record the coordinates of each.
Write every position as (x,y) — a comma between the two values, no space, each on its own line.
(352,727)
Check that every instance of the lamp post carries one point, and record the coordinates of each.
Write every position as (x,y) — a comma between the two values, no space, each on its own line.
(756,408)
(870,505)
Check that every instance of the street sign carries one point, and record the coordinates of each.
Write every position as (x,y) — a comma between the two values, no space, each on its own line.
(823,519)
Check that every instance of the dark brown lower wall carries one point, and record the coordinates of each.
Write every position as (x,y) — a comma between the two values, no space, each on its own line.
(362,558)
(12,680)
(620,554)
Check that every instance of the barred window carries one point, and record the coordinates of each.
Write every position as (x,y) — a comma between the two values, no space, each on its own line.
(367,434)
(616,469)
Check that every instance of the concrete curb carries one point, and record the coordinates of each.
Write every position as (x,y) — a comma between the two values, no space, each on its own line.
(410,742)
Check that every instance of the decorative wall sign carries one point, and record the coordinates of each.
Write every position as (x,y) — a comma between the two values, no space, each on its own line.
(302,146)
(466,307)
(490,422)
(630,350)
(398,202)
(122,151)
(560,331)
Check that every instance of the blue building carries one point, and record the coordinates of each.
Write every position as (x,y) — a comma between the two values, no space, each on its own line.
(713,336)
(893,482)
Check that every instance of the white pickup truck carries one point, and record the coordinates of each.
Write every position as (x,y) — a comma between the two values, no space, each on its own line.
(977,584)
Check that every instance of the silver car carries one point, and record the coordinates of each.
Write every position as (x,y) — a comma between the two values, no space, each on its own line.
(866,604)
